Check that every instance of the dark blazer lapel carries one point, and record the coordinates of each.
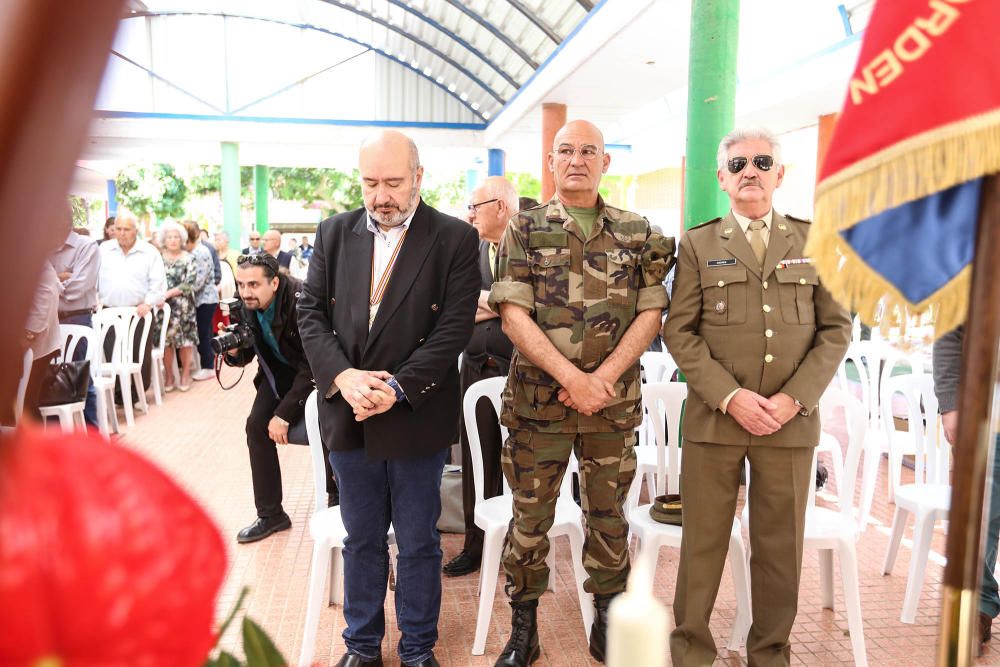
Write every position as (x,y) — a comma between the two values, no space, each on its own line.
(359,262)
(778,244)
(419,240)
(737,244)
(485,270)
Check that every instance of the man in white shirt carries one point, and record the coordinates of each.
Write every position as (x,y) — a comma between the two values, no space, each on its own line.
(131,275)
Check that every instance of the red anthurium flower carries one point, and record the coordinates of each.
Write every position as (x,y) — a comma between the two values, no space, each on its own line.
(104,560)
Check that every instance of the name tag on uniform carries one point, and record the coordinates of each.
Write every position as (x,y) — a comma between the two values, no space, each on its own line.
(722,262)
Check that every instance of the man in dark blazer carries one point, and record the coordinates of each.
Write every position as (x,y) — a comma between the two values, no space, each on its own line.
(254,246)
(487,356)
(388,305)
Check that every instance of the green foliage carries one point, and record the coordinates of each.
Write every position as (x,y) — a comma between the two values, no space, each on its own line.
(206,180)
(260,651)
(333,190)
(526,185)
(80,209)
(447,195)
(152,189)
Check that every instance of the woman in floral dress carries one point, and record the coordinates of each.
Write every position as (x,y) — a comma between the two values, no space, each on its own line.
(182,331)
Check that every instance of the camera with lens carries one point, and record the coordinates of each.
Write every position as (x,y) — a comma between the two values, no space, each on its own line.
(239,334)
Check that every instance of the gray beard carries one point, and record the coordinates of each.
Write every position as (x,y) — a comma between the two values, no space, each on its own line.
(397,218)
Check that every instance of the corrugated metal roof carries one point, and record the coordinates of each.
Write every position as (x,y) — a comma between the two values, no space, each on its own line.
(386,60)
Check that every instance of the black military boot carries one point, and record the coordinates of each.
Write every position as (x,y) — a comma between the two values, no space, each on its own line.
(522,648)
(599,630)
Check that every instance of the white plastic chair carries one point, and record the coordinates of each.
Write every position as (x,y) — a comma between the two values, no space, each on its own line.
(929,497)
(664,402)
(897,443)
(70,415)
(22,388)
(157,377)
(124,321)
(493,515)
(104,386)
(327,530)
(656,367)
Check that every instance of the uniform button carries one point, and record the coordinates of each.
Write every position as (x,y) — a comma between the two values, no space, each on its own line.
(332,301)
(547,262)
(434,307)
(765,284)
(767,308)
(722,283)
(421,340)
(768,358)
(802,281)
(768,333)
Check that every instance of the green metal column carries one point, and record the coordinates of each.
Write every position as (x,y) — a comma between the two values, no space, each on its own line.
(232,221)
(711,109)
(262,193)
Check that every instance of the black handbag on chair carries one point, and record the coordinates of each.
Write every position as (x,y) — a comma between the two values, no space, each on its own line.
(65,382)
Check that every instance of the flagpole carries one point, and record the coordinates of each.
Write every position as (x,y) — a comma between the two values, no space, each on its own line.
(960,600)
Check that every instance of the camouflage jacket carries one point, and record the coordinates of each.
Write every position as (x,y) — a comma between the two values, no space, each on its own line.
(584,294)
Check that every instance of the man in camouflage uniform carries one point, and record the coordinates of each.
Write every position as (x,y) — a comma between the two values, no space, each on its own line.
(580,292)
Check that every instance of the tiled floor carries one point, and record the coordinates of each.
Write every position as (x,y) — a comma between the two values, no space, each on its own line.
(198,437)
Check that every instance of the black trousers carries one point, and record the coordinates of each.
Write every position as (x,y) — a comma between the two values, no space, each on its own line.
(265,470)
(204,315)
(490,443)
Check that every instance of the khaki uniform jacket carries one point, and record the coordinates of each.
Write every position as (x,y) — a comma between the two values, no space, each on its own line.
(733,325)
(584,294)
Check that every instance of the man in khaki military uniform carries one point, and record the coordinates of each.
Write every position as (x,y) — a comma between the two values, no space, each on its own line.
(580,295)
(759,339)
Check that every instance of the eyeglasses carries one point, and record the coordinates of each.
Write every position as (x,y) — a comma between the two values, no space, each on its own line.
(761,162)
(587,152)
(473,207)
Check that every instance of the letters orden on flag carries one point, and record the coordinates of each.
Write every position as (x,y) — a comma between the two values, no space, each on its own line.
(898,197)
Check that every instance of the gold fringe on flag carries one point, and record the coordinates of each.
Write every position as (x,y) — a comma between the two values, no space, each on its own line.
(912,169)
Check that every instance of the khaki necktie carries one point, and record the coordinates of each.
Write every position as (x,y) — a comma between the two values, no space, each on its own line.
(757,241)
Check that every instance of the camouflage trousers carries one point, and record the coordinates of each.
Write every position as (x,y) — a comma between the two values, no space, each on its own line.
(534,465)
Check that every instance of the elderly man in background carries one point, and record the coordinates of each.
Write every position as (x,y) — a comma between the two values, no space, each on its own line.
(759,339)
(272,246)
(486,356)
(255,245)
(226,254)
(77,264)
(131,274)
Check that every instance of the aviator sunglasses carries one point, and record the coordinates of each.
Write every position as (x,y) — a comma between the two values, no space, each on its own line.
(761,162)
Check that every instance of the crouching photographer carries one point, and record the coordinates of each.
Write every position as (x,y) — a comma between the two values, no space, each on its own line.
(264,326)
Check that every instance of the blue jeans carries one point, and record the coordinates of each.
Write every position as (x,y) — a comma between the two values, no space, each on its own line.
(989,596)
(90,409)
(407,494)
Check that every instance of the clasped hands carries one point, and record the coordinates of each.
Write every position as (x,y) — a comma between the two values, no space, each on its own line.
(587,393)
(366,392)
(761,416)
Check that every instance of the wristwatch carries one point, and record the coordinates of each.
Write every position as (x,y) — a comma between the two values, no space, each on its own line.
(802,409)
(400,394)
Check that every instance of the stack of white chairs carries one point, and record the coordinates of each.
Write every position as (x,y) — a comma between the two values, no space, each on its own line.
(928,498)
(157,377)
(124,322)
(656,367)
(493,516)
(665,401)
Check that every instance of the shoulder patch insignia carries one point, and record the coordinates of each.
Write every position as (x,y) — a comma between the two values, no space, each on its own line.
(803,220)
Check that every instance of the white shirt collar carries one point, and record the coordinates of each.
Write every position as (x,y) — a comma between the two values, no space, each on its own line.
(375,229)
(745,221)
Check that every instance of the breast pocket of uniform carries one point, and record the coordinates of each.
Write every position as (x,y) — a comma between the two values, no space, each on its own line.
(795,286)
(550,269)
(623,281)
(724,295)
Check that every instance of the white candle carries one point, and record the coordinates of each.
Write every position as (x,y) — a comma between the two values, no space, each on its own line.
(638,625)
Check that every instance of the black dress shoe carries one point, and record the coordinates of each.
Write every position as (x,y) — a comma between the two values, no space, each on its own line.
(461,565)
(355,660)
(263,527)
(429,662)
(599,630)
